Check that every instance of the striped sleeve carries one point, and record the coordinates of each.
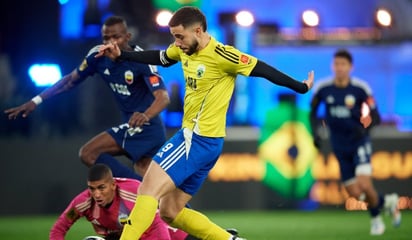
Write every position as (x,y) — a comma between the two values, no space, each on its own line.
(71,214)
(128,190)
(234,61)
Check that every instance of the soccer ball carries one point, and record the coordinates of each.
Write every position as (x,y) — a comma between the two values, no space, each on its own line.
(93,238)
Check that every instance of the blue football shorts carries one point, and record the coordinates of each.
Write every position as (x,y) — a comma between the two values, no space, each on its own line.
(138,143)
(355,161)
(187,158)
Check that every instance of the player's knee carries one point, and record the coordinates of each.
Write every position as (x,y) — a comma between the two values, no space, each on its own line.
(86,156)
(354,191)
(365,184)
(166,216)
(167,213)
(357,195)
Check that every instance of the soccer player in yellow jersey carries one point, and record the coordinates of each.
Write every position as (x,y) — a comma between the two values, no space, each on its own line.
(183,163)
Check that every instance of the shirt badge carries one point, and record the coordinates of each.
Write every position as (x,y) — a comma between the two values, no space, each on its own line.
(349,101)
(123,218)
(128,77)
(200,71)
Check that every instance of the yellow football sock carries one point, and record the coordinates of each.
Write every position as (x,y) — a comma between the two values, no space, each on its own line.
(140,218)
(198,225)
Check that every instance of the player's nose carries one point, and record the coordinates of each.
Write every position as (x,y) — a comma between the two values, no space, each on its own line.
(178,43)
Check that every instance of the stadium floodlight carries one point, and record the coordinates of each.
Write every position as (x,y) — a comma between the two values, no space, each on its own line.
(383,17)
(163,17)
(310,18)
(245,18)
(44,75)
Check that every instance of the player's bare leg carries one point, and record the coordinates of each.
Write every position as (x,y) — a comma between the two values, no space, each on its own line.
(101,149)
(142,165)
(101,143)
(173,211)
(156,183)
(172,203)
(362,188)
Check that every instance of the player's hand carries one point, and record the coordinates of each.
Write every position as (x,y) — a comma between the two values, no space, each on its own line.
(24,110)
(366,121)
(138,119)
(309,81)
(365,118)
(110,50)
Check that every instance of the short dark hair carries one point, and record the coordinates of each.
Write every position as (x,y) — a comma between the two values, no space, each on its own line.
(343,53)
(98,172)
(113,20)
(187,16)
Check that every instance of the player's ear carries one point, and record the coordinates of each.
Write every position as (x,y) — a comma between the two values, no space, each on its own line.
(128,36)
(198,30)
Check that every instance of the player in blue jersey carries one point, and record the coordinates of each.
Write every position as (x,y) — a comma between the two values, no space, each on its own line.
(350,113)
(140,94)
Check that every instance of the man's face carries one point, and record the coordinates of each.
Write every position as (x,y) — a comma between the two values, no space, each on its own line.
(186,39)
(116,33)
(341,68)
(102,191)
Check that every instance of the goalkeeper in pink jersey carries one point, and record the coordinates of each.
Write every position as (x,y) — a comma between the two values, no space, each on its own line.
(106,205)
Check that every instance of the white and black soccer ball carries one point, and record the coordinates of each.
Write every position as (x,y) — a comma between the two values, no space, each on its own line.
(93,238)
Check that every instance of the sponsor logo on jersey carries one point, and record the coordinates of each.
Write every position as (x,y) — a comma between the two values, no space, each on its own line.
(128,77)
(244,59)
(200,71)
(154,81)
(349,101)
(83,65)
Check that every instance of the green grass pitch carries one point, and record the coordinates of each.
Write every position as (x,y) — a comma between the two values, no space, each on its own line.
(268,225)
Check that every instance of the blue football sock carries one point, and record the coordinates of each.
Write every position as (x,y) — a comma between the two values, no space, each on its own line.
(375,211)
(118,169)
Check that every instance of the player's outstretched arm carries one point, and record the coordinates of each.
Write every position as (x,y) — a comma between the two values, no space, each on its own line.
(64,84)
(275,76)
(153,57)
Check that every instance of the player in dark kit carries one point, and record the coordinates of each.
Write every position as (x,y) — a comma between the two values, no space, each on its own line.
(140,94)
(350,113)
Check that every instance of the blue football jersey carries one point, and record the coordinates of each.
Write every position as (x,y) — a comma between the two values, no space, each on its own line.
(132,83)
(343,110)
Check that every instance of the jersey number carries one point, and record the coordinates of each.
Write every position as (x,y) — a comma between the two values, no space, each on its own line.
(192,83)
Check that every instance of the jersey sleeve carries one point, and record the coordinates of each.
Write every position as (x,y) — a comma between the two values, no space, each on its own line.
(234,61)
(367,95)
(173,52)
(153,80)
(69,216)
(88,65)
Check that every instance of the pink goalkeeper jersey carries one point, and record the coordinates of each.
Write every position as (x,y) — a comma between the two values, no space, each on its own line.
(107,220)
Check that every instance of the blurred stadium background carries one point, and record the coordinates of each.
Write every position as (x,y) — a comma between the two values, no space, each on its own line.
(41,171)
